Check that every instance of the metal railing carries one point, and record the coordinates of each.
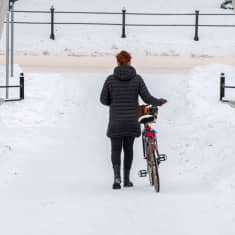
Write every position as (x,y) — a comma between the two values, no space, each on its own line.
(223,87)
(123,24)
(20,86)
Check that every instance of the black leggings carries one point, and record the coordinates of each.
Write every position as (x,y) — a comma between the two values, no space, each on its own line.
(127,143)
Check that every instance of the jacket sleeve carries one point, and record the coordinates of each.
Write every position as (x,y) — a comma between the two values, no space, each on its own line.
(105,94)
(146,96)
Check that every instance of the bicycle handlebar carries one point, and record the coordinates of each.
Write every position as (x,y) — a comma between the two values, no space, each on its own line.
(148,110)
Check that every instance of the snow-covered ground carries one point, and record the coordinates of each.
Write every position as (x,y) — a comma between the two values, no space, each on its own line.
(75,40)
(55,169)
(106,5)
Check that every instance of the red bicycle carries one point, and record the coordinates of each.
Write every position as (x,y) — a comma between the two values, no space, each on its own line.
(148,115)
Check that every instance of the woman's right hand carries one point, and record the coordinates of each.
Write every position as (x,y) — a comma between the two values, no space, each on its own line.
(162,101)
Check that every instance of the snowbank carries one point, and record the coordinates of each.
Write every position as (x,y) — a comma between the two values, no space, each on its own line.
(204,92)
(214,125)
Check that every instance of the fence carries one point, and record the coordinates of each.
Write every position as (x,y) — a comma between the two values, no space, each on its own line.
(223,86)
(123,24)
(20,86)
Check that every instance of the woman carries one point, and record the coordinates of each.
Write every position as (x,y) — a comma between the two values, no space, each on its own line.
(120,92)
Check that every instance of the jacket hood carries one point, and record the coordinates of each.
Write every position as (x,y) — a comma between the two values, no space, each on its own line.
(124,72)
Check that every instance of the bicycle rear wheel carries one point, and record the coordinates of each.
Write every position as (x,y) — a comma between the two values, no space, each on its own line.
(150,174)
(155,174)
(148,153)
(152,168)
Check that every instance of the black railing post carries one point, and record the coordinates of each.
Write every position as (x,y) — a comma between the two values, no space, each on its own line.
(52,36)
(222,86)
(123,23)
(196,38)
(22,86)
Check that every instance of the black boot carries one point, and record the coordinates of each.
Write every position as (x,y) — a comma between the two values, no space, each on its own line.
(117,177)
(127,182)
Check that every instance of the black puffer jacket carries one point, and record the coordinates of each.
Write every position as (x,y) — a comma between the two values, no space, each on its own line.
(120,92)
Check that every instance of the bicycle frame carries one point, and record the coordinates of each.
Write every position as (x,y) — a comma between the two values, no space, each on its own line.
(150,135)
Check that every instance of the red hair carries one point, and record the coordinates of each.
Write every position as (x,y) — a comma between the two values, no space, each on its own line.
(123,58)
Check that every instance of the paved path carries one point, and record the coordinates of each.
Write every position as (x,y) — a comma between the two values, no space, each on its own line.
(147,64)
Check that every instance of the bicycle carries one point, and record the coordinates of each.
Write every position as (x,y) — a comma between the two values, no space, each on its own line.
(148,115)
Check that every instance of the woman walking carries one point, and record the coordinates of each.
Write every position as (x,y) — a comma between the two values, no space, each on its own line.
(120,92)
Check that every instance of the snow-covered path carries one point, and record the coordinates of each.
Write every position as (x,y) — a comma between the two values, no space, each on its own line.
(55,171)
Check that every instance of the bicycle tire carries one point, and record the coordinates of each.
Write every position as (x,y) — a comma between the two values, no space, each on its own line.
(149,170)
(149,164)
(146,153)
(155,174)
(152,164)
(152,168)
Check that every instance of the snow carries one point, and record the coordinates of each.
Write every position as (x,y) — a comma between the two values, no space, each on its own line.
(55,169)
(82,40)
(105,5)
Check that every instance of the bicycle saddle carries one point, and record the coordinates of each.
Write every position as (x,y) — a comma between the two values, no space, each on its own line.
(147,114)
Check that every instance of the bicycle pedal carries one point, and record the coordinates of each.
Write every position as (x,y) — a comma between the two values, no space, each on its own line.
(142,173)
(163,157)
